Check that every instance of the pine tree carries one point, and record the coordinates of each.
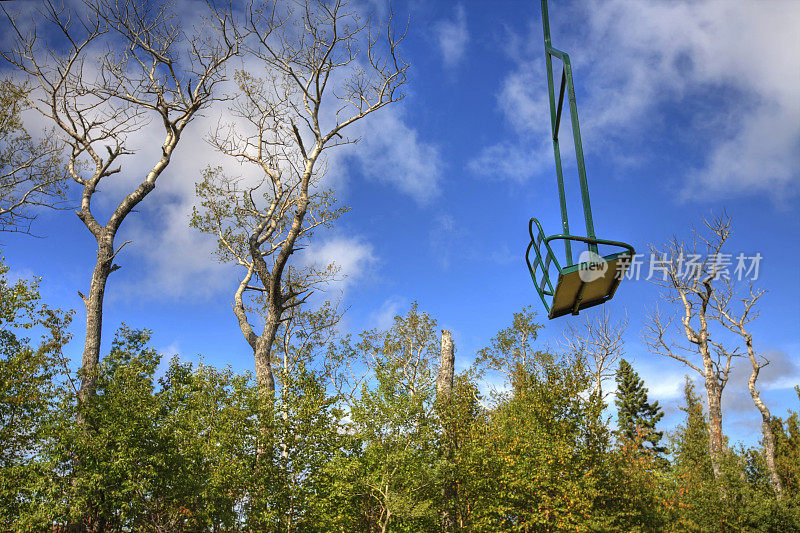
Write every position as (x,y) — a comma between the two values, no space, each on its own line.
(695,504)
(637,417)
(691,438)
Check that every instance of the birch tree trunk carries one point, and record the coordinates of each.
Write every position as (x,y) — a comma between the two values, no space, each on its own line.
(94,318)
(736,323)
(444,392)
(766,431)
(716,439)
(265,378)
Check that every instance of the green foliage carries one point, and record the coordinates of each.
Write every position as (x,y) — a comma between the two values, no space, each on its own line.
(544,453)
(787,453)
(394,427)
(182,447)
(510,351)
(636,416)
(29,381)
(639,485)
(741,500)
(169,454)
(535,461)
(293,479)
(694,501)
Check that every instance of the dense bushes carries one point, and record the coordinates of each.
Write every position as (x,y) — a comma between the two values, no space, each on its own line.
(180,447)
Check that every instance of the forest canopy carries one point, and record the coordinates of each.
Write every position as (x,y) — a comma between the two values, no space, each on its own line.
(406,425)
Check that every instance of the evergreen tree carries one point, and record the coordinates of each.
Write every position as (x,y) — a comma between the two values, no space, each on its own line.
(637,417)
(695,505)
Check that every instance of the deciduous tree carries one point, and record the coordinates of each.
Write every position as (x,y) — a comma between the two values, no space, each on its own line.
(691,277)
(321,68)
(724,302)
(99,72)
(394,420)
(31,375)
(600,343)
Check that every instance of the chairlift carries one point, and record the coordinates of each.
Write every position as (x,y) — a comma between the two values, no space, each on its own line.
(594,279)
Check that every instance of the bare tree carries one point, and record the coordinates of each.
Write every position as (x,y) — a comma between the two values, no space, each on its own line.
(691,280)
(324,70)
(723,301)
(108,69)
(601,344)
(32,173)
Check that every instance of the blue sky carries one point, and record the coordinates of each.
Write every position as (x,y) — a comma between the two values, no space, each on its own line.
(686,108)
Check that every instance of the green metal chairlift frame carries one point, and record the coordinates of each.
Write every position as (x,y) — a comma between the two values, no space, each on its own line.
(587,283)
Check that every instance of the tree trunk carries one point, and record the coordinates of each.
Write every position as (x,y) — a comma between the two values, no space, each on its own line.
(444,391)
(444,381)
(385,524)
(716,440)
(766,423)
(769,443)
(104,235)
(599,379)
(94,316)
(265,379)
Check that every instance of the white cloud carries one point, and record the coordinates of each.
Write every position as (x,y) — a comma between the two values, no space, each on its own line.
(453,36)
(443,236)
(351,255)
(19,274)
(762,155)
(179,261)
(173,349)
(511,161)
(781,373)
(523,101)
(665,380)
(181,258)
(389,151)
(492,385)
(631,58)
(502,254)
(392,152)
(383,318)
(663,384)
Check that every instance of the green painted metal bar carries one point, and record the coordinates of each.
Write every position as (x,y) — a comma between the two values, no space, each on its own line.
(552,50)
(576,135)
(591,241)
(560,103)
(532,270)
(550,257)
(554,130)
